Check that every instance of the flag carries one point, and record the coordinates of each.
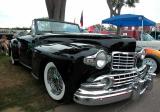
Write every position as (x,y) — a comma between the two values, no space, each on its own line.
(81,20)
(74,20)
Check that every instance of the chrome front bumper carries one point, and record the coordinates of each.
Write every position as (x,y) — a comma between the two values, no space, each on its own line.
(98,94)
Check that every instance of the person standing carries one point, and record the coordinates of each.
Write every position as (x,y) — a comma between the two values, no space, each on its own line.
(4,43)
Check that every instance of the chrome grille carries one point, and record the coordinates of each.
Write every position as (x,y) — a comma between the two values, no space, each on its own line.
(122,81)
(126,79)
(123,61)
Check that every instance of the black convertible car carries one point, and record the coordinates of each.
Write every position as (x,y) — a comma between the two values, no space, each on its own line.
(91,69)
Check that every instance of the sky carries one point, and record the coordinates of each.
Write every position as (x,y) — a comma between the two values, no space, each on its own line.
(20,13)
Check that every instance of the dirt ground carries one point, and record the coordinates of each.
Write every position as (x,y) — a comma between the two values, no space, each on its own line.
(19,91)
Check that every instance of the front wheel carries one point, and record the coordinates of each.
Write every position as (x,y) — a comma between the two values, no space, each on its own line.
(54,83)
(153,64)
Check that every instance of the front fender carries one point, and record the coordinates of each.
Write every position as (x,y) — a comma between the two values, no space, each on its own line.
(68,59)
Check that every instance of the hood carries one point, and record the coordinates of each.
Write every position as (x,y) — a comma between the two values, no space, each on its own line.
(108,42)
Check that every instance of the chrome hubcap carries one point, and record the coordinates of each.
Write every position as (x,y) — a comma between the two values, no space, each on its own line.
(152,63)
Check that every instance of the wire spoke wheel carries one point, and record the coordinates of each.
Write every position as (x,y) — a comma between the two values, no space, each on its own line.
(153,64)
(54,82)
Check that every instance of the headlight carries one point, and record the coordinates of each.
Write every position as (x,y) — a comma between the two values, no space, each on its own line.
(99,60)
(142,54)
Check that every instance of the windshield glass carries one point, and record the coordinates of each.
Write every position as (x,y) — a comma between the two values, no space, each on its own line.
(53,27)
(147,37)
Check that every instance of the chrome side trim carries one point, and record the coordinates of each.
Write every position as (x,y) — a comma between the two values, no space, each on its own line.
(34,76)
(25,65)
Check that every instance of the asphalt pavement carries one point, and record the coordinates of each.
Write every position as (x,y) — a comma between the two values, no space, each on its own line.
(149,102)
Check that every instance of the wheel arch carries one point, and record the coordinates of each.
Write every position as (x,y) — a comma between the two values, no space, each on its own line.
(154,57)
(39,63)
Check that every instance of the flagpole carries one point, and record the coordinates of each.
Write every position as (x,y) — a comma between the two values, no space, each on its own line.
(81,20)
(74,20)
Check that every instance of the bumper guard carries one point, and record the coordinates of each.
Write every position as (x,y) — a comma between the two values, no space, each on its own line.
(102,96)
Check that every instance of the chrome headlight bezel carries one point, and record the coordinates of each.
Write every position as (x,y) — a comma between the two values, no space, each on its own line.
(99,60)
(141,54)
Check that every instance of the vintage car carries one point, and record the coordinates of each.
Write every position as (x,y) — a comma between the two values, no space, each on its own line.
(91,69)
(152,58)
(147,41)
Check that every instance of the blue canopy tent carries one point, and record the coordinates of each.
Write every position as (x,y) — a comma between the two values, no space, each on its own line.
(129,20)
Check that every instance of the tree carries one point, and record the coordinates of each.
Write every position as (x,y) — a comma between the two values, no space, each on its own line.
(115,6)
(56,9)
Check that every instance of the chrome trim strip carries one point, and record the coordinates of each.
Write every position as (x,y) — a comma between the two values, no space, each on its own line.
(117,85)
(100,92)
(92,85)
(119,82)
(125,78)
(34,76)
(25,65)
(106,96)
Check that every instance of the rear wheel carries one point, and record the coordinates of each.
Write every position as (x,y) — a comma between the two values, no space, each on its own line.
(54,83)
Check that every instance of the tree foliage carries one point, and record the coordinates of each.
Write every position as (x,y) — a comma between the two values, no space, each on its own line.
(115,6)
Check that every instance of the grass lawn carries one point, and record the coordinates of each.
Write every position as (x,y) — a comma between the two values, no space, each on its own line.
(19,91)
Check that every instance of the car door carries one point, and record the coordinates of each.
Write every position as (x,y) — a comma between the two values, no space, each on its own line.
(25,50)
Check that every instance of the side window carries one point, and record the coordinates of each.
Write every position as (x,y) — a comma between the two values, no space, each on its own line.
(158,38)
(144,38)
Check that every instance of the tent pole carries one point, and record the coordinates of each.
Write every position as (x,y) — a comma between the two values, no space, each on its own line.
(142,29)
(100,28)
(155,31)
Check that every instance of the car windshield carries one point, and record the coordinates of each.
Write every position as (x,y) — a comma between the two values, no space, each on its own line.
(53,27)
(147,37)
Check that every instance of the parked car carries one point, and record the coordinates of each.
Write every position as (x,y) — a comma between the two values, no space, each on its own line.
(155,35)
(91,69)
(153,59)
(147,41)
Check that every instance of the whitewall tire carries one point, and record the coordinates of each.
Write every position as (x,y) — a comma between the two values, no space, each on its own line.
(54,83)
